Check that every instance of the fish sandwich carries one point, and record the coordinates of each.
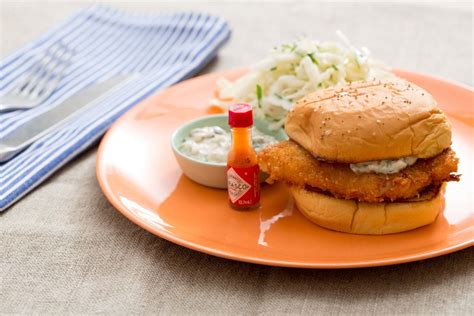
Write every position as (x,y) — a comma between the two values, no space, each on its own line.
(367,158)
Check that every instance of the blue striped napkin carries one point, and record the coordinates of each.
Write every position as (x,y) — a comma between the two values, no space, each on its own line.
(163,49)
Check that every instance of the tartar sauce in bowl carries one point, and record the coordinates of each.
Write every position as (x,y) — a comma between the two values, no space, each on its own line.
(212,143)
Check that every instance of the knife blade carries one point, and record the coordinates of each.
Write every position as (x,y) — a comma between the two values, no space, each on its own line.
(46,122)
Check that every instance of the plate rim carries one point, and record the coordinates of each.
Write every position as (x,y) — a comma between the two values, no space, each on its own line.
(101,178)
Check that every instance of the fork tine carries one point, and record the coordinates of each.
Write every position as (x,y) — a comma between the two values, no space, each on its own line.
(27,78)
(48,85)
(37,73)
(54,71)
(43,78)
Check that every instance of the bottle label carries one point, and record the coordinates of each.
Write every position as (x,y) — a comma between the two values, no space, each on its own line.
(243,186)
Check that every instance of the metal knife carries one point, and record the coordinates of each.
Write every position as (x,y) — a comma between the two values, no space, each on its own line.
(25,135)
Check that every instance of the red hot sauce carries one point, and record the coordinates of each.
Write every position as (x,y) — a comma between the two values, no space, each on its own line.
(243,183)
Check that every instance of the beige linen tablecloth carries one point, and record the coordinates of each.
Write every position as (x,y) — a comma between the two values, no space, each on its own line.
(64,249)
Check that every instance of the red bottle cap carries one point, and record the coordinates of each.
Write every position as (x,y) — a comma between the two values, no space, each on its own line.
(240,115)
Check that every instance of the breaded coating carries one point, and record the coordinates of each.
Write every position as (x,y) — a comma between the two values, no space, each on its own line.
(289,162)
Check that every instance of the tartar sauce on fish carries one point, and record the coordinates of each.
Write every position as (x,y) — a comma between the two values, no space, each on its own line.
(212,143)
(383,166)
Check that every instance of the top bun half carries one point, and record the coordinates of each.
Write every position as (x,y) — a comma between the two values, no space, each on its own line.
(372,120)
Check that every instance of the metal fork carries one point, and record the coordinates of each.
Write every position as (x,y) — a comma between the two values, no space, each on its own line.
(41,81)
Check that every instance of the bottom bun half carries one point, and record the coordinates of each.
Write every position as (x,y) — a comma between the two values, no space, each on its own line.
(368,218)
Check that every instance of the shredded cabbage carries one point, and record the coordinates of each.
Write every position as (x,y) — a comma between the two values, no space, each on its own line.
(293,70)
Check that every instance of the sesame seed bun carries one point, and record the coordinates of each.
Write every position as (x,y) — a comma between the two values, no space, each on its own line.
(368,121)
(355,217)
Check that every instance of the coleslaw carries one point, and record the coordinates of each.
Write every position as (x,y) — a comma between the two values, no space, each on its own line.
(292,70)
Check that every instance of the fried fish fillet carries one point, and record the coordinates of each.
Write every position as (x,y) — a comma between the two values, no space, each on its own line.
(289,162)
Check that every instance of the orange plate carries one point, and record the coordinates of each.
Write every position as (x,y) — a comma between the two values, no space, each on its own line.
(137,171)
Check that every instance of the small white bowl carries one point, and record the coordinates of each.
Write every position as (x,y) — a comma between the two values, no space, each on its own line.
(208,173)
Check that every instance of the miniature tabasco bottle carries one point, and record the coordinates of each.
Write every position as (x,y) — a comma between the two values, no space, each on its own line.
(243,183)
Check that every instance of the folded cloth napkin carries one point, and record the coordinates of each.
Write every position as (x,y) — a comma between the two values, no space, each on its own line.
(162,49)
